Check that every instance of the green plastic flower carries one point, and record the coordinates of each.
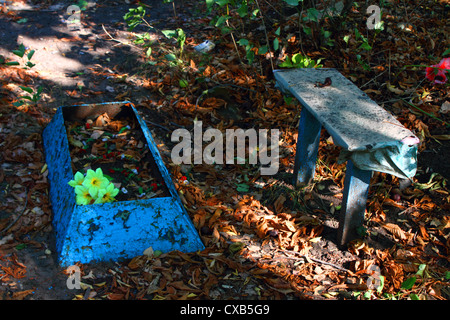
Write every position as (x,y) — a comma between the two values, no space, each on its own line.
(83,196)
(78,180)
(95,181)
(107,194)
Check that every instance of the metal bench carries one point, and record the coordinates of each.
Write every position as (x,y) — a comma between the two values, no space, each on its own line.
(371,138)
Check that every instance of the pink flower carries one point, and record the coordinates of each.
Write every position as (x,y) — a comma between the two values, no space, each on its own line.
(437,72)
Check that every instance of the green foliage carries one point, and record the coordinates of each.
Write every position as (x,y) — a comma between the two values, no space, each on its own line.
(363,40)
(409,283)
(33,96)
(311,23)
(179,35)
(134,17)
(21,51)
(250,54)
(298,60)
(82,4)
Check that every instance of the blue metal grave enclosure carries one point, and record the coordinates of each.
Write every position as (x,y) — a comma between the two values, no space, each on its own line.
(109,231)
(371,139)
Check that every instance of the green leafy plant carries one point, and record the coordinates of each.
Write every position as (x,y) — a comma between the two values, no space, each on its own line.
(311,21)
(250,54)
(409,287)
(33,97)
(180,37)
(363,40)
(94,188)
(134,17)
(298,60)
(21,52)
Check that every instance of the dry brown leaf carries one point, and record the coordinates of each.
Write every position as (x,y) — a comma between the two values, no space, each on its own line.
(262,228)
(216,234)
(189,197)
(181,286)
(424,233)
(115,125)
(393,89)
(102,120)
(445,223)
(393,203)
(372,91)
(121,96)
(115,296)
(395,230)
(409,267)
(393,272)
(137,262)
(22,294)
(279,203)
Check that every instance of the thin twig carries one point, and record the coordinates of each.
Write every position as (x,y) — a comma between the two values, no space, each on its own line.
(114,39)
(265,32)
(428,114)
(314,260)
(234,42)
(365,84)
(157,125)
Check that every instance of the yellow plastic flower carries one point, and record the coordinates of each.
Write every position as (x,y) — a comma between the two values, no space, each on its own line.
(83,195)
(78,180)
(107,194)
(95,181)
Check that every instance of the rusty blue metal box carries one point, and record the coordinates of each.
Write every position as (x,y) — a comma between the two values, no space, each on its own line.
(120,229)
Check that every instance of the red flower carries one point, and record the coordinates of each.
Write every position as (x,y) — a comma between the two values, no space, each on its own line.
(154,186)
(437,72)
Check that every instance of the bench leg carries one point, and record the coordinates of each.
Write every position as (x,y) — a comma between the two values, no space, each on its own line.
(307,147)
(356,190)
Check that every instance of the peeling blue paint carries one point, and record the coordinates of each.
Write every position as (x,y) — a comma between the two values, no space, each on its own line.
(110,231)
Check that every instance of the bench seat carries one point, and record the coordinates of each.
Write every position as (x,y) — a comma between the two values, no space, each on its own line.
(371,139)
